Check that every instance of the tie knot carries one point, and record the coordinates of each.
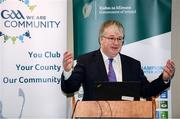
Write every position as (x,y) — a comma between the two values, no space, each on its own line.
(110,60)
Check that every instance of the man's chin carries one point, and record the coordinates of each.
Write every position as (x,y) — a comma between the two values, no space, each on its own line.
(114,54)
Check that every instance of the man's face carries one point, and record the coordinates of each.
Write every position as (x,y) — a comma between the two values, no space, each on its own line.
(111,41)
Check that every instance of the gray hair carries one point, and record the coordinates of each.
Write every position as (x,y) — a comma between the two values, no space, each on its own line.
(109,23)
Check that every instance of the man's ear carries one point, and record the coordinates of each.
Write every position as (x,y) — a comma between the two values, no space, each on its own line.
(99,40)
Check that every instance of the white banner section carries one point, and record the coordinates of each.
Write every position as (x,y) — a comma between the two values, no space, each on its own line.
(33,36)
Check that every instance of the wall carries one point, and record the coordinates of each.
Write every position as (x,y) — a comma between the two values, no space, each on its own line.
(176,57)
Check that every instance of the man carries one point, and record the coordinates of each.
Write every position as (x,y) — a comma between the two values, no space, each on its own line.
(95,66)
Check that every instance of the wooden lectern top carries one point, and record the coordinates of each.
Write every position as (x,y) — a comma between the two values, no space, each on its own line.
(124,109)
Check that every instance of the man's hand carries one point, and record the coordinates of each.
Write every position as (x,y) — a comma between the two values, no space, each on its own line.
(67,61)
(169,70)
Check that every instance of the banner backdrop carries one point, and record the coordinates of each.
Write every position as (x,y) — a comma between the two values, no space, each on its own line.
(32,40)
(147,34)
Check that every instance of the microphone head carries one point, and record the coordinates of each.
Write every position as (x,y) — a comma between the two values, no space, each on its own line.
(21,93)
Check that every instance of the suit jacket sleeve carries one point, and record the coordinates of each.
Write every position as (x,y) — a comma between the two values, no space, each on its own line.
(154,88)
(132,71)
(73,84)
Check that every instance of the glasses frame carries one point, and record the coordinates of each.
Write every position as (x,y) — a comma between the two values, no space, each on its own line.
(113,39)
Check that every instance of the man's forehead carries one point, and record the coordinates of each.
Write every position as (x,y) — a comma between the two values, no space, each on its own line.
(113,29)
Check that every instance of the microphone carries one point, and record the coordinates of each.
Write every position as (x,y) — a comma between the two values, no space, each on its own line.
(74,109)
(21,93)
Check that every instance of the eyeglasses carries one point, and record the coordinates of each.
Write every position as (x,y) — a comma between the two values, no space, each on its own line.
(113,39)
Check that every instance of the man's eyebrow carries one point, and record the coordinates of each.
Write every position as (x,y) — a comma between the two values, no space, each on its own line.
(115,35)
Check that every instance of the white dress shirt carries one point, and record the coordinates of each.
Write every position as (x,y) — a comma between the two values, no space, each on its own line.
(116,65)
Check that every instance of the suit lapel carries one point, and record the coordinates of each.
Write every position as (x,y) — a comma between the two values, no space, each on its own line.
(100,67)
(124,68)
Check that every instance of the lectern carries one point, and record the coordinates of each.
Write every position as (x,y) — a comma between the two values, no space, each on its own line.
(122,109)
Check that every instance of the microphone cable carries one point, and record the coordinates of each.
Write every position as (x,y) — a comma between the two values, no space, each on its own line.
(97,102)
(74,109)
(109,107)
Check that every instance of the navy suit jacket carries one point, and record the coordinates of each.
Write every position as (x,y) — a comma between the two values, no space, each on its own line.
(90,68)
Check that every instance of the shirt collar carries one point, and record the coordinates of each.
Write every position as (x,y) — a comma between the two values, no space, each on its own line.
(105,57)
